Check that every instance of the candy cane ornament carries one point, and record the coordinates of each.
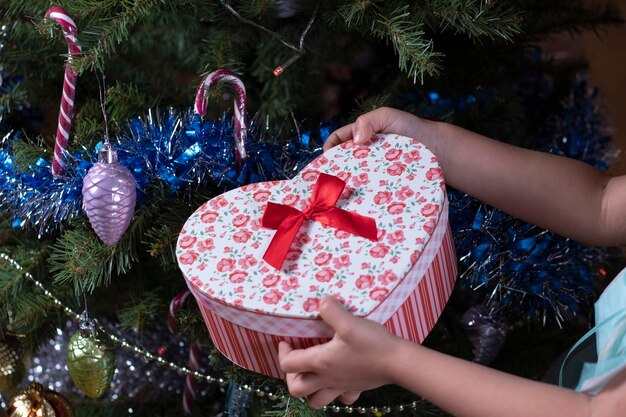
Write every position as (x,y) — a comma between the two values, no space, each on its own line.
(223,76)
(66,110)
(189,393)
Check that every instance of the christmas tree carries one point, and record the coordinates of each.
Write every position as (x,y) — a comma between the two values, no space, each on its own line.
(308,67)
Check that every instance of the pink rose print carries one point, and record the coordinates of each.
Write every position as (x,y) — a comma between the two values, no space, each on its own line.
(430,225)
(404,193)
(387,277)
(290,199)
(241,220)
(434,174)
(209,216)
(310,175)
(382,197)
(187,242)
(430,209)
(302,238)
(412,156)
(341,262)
(361,152)
(322,258)
(361,180)
(255,225)
(319,161)
(261,195)
(188,257)
(325,275)
(248,261)
(344,176)
(346,193)
(218,202)
(271,280)
(311,304)
(395,237)
(273,297)
(415,256)
(242,236)
(239,289)
(393,154)
(341,234)
(250,187)
(238,303)
(206,245)
(290,284)
(225,265)
(398,220)
(293,255)
(347,145)
(397,168)
(364,281)
(237,277)
(379,293)
(379,251)
(396,207)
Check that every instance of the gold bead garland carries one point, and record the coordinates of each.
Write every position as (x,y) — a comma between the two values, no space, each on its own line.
(259,391)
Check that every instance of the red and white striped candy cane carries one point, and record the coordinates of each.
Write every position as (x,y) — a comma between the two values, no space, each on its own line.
(189,393)
(223,76)
(69,88)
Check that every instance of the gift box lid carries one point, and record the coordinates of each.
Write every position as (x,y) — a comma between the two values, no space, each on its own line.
(395,180)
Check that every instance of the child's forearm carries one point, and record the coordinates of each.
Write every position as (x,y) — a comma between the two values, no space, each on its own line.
(466,389)
(557,193)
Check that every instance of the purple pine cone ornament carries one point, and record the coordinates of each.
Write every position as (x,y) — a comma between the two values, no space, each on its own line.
(109,194)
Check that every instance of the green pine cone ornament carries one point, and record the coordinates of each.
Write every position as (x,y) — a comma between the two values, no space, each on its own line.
(91,362)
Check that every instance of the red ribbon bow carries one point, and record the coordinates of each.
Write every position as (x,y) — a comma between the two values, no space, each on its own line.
(287,220)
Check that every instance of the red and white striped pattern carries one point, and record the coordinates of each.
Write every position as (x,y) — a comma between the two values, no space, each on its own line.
(258,351)
(223,76)
(189,393)
(66,110)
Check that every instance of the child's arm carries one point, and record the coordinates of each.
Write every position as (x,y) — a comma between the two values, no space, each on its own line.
(563,195)
(364,355)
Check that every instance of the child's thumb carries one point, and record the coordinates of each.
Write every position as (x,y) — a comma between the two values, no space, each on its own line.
(335,315)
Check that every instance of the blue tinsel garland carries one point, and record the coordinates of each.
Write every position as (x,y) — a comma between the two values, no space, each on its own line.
(174,152)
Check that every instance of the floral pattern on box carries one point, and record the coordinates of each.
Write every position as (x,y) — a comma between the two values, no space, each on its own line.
(395,180)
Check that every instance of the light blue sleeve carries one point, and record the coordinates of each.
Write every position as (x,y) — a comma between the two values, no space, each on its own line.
(610,330)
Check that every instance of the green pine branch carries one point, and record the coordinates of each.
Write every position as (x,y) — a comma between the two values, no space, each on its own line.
(416,57)
(476,18)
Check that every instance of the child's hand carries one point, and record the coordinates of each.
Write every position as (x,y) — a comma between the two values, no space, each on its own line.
(382,120)
(356,359)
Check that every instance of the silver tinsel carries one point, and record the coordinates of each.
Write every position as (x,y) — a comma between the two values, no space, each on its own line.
(134,378)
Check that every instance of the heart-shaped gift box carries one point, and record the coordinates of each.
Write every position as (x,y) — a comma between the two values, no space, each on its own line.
(256,285)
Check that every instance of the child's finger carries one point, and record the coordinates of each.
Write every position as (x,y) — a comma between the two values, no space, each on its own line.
(335,315)
(297,360)
(349,397)
(303,384)
(323,397)
(339,136)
